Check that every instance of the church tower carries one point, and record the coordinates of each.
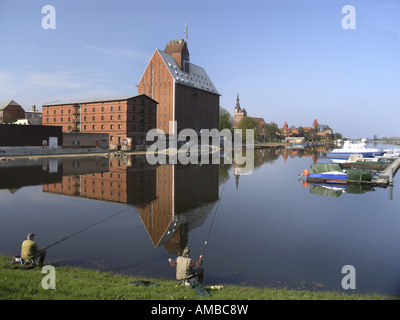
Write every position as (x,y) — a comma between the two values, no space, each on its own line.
(239,113)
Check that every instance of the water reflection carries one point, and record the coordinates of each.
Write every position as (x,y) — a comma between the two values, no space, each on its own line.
(171,200)
(296,235)
(24,172)
(337,190)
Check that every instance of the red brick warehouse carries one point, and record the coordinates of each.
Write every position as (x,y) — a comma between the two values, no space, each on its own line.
(125,118)
(183,90)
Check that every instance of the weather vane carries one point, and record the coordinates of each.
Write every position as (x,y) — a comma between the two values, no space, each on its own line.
(187,32)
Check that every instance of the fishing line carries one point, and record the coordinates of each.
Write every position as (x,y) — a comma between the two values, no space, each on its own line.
(212,222)
(70,236)
(130,266)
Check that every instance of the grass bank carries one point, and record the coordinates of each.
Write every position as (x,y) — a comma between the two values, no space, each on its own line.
(84,284)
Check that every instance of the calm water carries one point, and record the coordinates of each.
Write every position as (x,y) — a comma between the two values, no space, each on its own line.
(264,228)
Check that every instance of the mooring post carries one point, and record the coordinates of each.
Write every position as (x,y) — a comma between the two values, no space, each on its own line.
(391,176)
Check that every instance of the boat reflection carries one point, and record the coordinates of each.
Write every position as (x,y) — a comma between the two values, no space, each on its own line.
(336,190)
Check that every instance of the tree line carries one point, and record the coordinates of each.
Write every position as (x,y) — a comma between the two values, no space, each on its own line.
(268,131)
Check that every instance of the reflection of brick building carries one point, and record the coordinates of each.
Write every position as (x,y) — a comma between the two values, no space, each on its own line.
(126,118)
(183,90)
(185,197)
(25,172)
(129,180)
(171,200)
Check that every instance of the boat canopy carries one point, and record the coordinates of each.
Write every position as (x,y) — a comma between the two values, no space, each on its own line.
(358,175)
(325,167)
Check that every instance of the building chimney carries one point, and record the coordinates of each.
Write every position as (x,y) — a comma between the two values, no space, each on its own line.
(34,108)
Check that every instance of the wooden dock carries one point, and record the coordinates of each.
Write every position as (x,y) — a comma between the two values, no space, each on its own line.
(385,178)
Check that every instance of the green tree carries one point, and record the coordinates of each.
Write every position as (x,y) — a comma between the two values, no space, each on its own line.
(337,136)
(248,123)
(270,130)
(225,119)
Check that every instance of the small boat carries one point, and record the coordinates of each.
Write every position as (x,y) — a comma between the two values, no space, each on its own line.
(350,148)
(334,173)
(391,154)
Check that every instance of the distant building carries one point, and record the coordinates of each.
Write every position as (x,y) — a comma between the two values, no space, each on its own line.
(239,113)
(31,118)
(125,118)
(10,111)
(183,90)
(286,132)
(321,130)
(315,125)
(34,117)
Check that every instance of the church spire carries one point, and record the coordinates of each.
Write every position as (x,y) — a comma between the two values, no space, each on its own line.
(237,101)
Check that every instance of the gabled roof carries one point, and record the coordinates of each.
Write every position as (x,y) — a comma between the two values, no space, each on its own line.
(196,77)
(7,103)
(80,101)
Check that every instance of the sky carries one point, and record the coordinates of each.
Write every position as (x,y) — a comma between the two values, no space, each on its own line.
(289,60)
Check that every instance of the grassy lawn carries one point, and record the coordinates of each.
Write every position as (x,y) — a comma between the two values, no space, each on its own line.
(84,284)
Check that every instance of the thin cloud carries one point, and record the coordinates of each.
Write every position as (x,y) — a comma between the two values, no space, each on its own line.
(52,80)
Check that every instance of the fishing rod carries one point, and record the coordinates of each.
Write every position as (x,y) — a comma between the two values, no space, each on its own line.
(72,235)
(212,222)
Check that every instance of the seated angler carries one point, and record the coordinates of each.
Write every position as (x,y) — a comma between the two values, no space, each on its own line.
(184,267)
(30,250)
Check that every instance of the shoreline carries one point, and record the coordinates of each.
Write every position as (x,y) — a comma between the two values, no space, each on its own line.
(70,153)
(74,283)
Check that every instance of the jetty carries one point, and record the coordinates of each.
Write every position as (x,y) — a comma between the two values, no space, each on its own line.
(382,173)
(385,178)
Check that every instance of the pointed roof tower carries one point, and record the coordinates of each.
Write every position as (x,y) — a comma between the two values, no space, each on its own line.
(237,102)
(285,125)
(315,124)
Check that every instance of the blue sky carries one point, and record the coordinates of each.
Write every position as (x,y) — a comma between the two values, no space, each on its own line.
(290,60)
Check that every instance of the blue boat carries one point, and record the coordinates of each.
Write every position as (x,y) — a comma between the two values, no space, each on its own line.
(335,174)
